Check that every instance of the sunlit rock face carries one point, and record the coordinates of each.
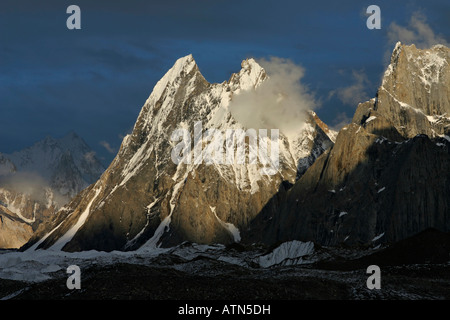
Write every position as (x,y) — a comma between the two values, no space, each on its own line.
(387,175)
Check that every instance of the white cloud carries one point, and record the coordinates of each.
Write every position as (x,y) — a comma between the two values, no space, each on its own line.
(417,32)
(356,92)
(107,146)
(90,156)
(280,102)
(31,184)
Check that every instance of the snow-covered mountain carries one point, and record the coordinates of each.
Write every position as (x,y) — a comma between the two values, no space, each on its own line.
(146,199)
(39,180)
(68,164)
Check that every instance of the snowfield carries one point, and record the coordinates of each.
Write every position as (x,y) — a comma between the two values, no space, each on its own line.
(39,265)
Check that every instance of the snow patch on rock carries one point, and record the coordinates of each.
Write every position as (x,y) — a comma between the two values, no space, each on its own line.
(288,253)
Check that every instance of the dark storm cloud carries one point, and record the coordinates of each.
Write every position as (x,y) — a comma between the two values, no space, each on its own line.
(96,79)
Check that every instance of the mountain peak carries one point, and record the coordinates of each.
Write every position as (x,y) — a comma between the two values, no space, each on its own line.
(413,96)
(169,201)
(423,72)
(250,76)
(330,133)
(185,63)
(182,67)
(436,57)
(72,135)
(48,140)
(249,64)
(45,156)
(72,141)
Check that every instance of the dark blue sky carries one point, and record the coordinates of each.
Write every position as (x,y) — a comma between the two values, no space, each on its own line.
(94,81)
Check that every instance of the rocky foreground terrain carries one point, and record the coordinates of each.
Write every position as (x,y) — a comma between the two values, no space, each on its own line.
(415,268)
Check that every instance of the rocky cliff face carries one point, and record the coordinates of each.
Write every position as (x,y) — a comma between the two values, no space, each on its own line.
(14,232)
(414,96)
(22,212)
(387,176)
(145,199)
